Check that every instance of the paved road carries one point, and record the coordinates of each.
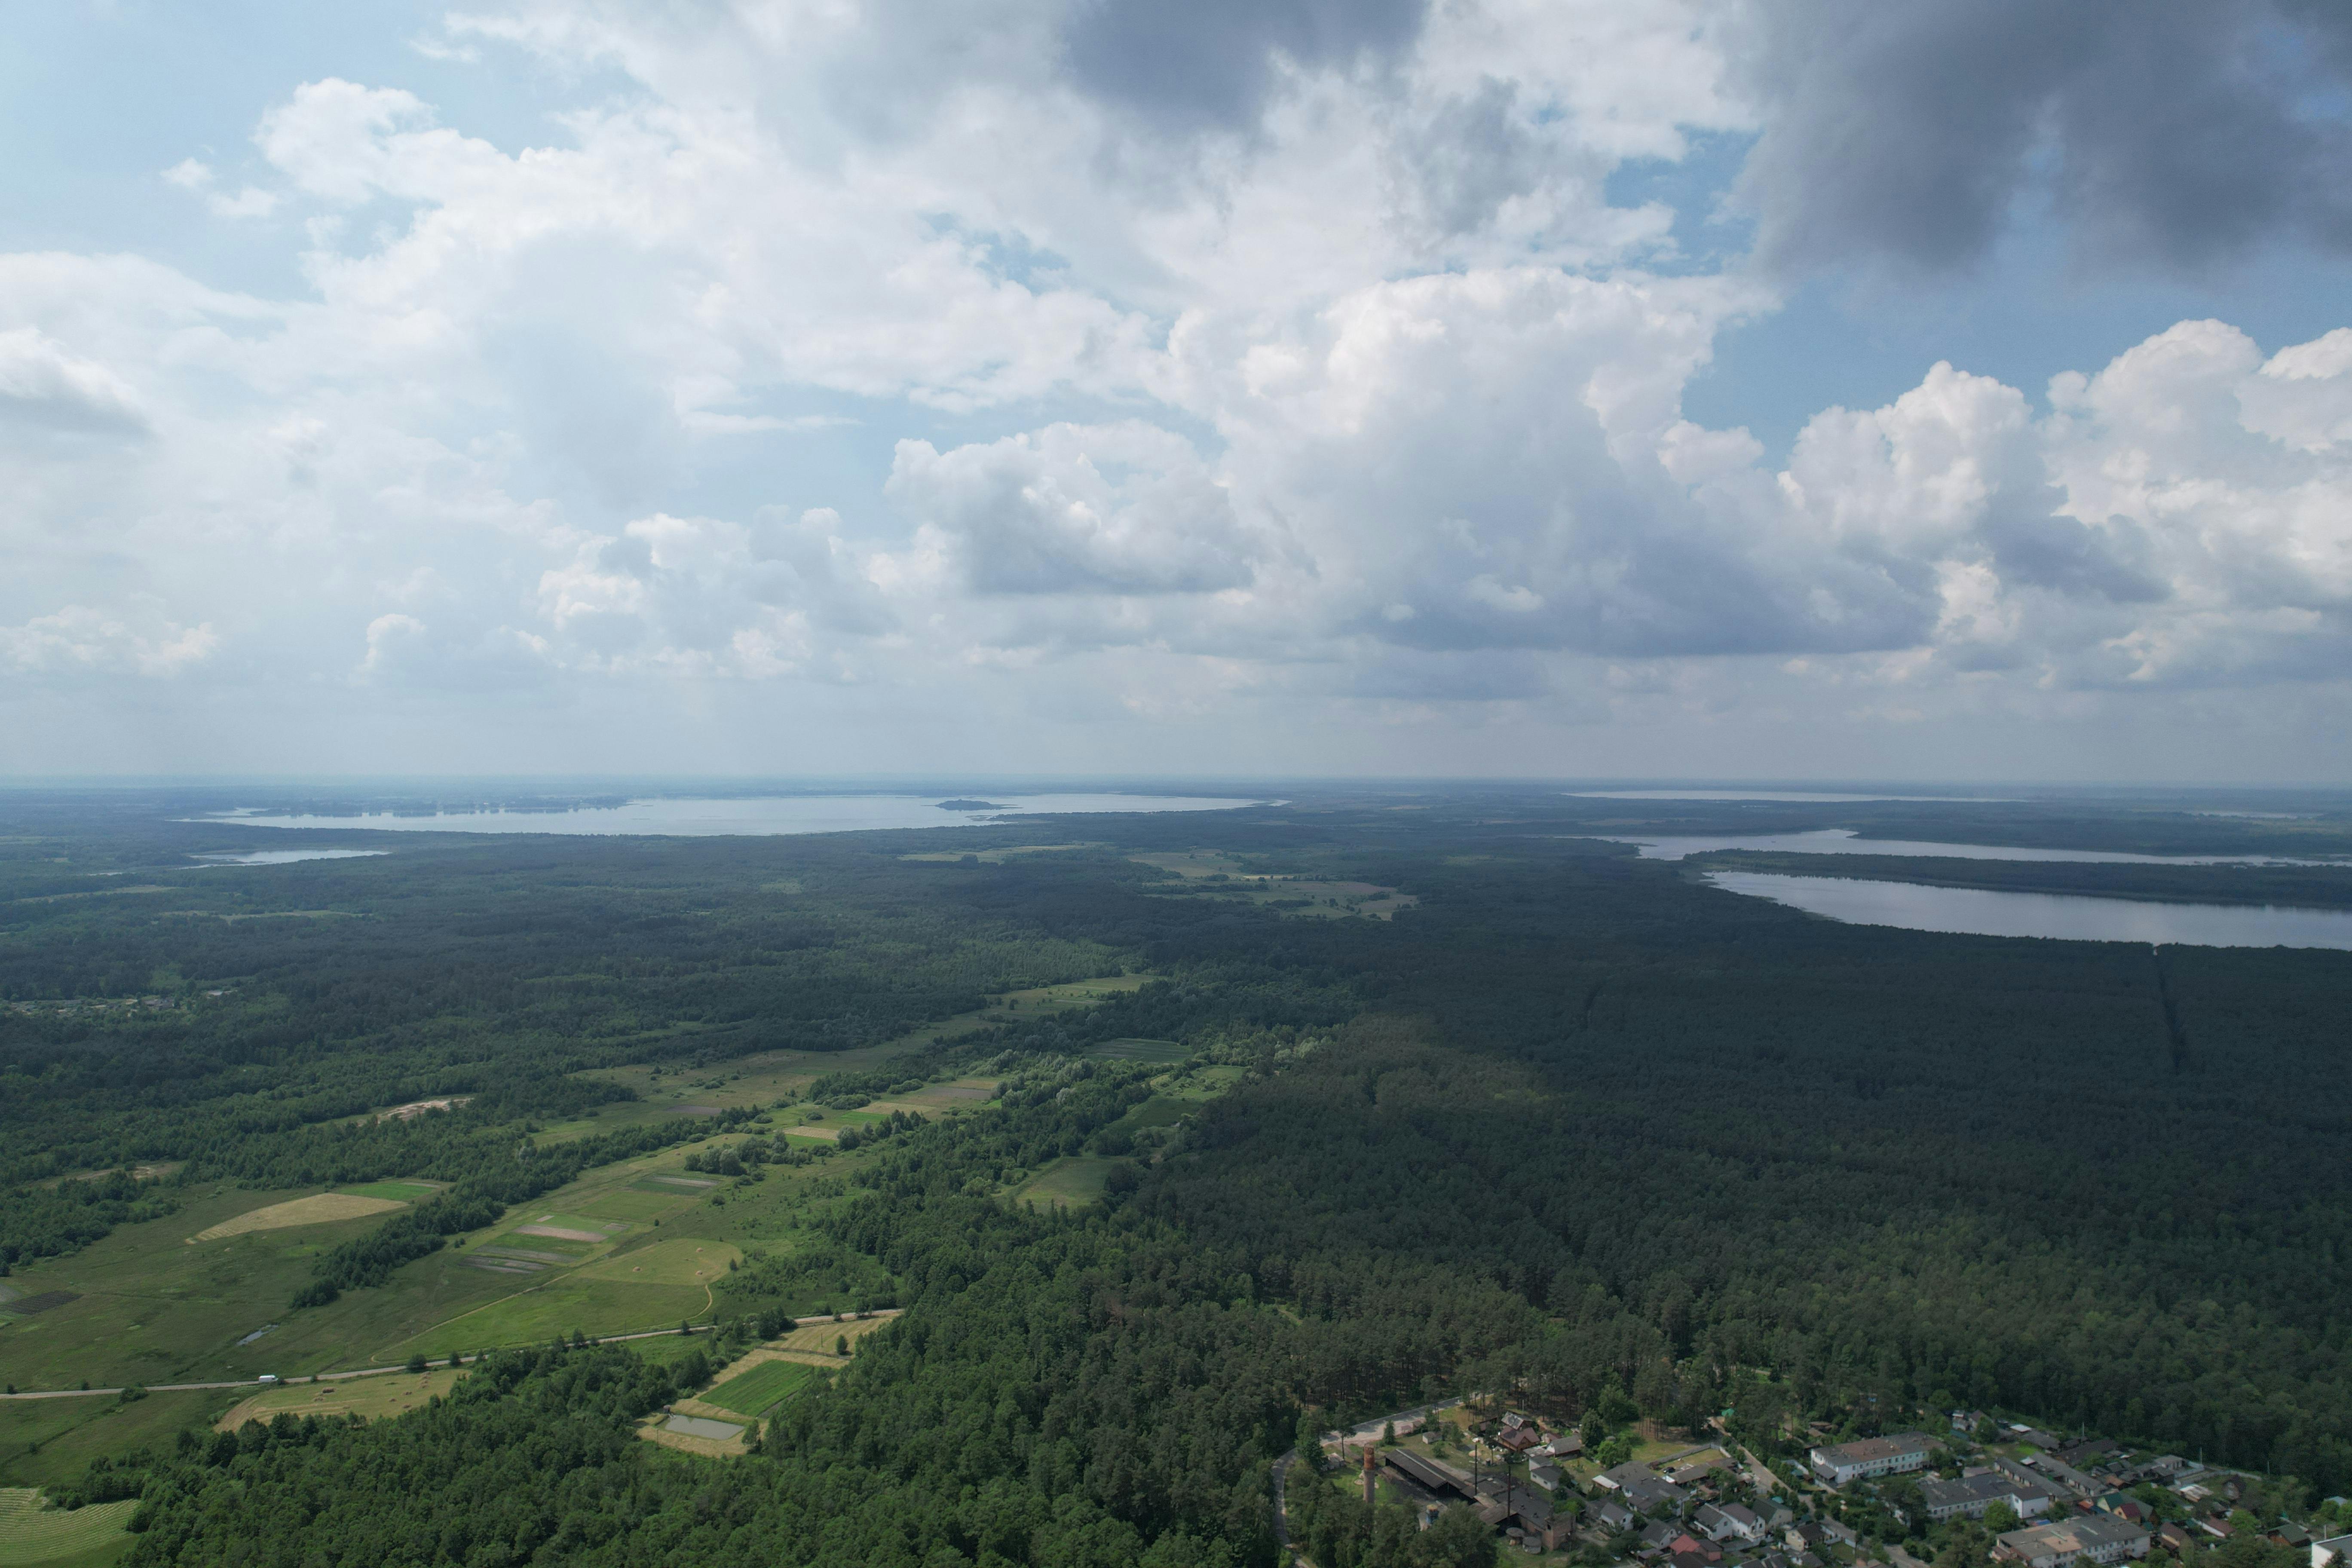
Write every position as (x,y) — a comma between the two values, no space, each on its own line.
(376,1371)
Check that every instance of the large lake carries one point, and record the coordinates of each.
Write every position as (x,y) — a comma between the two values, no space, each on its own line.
(1842,841)
(1977,911)
(755,814)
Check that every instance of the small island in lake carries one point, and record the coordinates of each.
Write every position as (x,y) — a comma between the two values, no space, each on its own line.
(974,805)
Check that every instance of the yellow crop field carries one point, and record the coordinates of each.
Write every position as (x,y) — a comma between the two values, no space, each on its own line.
(317,1209)
(818,1339)
(391,1394)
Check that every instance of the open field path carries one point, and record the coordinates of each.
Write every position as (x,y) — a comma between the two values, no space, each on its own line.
(382,1371)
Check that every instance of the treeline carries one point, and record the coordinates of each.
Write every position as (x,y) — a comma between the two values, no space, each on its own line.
(45,1221)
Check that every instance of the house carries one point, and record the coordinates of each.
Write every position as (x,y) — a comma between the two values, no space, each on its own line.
(2089,1456)
(2289,1533)
(2124,1506)
(1730,1521)
(1657,1535)
(1840,1535)
(2331,1553)
(2098,1537)
(2026,1482)
(1518,1439)
(2036,1438)
(1611,1515)
(2066,1475)
(1531,1513)
(1547,1477)
(1564,1445)
(2176,1540)
(1641,1488)
(1872,1457)
(1971,1495)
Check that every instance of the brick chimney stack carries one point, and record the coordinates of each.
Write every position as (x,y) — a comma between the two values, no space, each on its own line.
(1367,1473)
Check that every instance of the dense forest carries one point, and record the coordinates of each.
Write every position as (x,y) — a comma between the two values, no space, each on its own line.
(1574,1125)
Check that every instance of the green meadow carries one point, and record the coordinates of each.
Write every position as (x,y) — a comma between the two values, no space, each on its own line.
(55,1538)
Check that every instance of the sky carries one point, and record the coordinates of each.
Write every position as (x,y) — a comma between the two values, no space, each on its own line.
(1592,388)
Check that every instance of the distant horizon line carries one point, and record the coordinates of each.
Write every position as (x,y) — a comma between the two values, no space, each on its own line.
(930,783)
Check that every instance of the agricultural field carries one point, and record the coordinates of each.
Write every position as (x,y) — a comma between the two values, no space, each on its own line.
(43,1442)
(777,1078)
(145,1306)
(819,1339)
(649,1287)
(393,1393)
(320,1208)
(753,1391)
(55,1538)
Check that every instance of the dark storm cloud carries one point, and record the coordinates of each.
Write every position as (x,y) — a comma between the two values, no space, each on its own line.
(1211,63)
(2179,132)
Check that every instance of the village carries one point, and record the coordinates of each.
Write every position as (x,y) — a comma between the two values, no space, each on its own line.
(1965,1490)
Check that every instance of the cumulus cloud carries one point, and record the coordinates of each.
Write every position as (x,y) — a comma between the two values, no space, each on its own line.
(80,640)
(1217,61)
(45,385)
(1122,508)
(2182,133)
(1299,361)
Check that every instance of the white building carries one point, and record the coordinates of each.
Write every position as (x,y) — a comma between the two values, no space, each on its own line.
(2096,1538)
(1872,1457)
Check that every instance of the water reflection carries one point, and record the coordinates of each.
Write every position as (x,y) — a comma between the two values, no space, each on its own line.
(1842,841)
(1977,911)
(287,856)
(760,814)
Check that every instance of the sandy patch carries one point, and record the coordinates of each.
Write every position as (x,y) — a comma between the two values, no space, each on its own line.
(315,1210)
(560,1234)
(419,1107)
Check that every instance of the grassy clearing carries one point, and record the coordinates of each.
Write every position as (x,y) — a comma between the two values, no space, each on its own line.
(155,1310)
(43,1442)
(396,1191)
(778,1079)
(393,1394)
(30,1534)
(1159,1111)
(320,1208)
(753,1391)
(819,1339)
(1071,1182)
(648,1286)
(998,857)
(1166,1051)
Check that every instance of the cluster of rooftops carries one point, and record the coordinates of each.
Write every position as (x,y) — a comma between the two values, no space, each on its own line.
(2067,1503)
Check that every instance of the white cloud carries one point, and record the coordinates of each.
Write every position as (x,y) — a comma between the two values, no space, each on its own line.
(836,345)
(82,640)
(1120,508)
